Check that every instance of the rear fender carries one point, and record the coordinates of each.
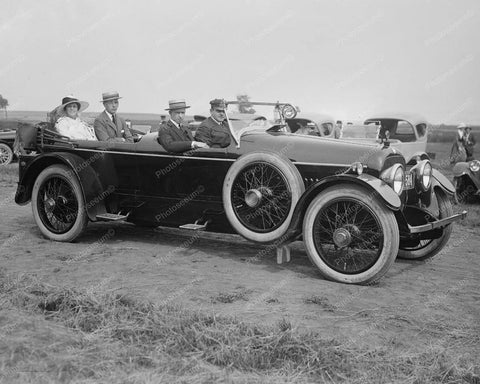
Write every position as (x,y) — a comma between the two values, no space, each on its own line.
(376,188)
(94,192)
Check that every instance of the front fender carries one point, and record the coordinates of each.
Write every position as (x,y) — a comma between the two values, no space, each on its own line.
(375,186)
(92,189)
(460,169)
(441,181)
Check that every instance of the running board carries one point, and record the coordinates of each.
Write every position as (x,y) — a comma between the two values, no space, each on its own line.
(111,217)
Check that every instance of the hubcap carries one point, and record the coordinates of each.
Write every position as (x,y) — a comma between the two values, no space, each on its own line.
(342,238)
(49,204)
(253,197)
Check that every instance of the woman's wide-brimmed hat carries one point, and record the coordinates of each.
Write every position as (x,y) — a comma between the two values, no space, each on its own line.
(462,126)
(176,104)
(82,105)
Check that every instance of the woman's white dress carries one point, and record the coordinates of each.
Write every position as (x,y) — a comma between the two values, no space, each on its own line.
(75,129)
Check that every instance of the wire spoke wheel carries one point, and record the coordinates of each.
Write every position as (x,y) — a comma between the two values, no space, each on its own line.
(350,235)
(427,248)
(6,154)
(260,192)
(261,197)
(58,204)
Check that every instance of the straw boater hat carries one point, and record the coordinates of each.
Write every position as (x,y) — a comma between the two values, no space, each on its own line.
(82,105)
(176,104)
(108,96)
(462,126)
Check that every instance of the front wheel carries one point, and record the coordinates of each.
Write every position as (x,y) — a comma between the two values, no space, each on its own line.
(430,247)
(350,235)
(58,205)
(6,154)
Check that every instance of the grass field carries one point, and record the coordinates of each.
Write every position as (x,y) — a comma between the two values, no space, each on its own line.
(98,337)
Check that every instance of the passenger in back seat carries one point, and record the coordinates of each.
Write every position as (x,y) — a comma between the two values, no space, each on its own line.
(69,123)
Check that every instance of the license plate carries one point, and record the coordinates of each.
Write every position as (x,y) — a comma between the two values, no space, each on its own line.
(408,183)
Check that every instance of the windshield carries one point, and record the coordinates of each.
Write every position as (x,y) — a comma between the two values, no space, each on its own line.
(264,118)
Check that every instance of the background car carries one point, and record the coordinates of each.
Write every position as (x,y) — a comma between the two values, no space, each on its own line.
(8,131)
(7,138)
(315,124)
(352,205)
(466,178)
(406,132)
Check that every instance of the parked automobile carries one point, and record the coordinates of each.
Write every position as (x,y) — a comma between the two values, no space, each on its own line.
(466,178)
(405,132)
(7,138)
(8,130)
(355,207)
(314,124)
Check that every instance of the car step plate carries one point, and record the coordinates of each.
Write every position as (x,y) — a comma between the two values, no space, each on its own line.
(194,227)
(111,217)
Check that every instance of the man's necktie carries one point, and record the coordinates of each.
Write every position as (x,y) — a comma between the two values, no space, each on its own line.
(114,120)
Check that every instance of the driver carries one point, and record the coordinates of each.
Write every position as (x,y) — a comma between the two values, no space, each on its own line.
(214,131)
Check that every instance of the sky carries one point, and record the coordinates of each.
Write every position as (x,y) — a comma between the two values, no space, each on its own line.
(347,58)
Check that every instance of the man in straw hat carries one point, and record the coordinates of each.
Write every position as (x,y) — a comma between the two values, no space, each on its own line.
(108,126)
(173,136)
(214,131)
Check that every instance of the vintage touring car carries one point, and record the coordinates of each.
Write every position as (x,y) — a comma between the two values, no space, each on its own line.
(355,207)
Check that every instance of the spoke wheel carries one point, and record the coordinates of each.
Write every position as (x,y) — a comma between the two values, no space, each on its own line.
(350,236)
(260,193)
(57,204)
(428,248)
(6,154)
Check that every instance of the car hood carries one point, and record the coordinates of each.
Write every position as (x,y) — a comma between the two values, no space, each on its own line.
(317,150)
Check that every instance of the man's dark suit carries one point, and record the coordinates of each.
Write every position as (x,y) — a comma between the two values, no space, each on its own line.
(173,139)
(215,135)
(107,131)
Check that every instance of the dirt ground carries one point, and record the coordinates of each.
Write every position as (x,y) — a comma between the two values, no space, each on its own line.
(416,307)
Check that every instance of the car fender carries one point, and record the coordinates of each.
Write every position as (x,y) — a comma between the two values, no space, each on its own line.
(418,156)
(92,189)
(377,187)
(460,169)
(439,180)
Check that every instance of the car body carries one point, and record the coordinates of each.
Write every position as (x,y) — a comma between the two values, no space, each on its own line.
(354,206)
(466,178)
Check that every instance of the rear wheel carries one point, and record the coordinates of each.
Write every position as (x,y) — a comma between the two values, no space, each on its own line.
(430,247)
(58,205)
(260,193)
(6,154)
(350,235)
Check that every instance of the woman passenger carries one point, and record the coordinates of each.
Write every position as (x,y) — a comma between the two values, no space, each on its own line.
(69,123)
